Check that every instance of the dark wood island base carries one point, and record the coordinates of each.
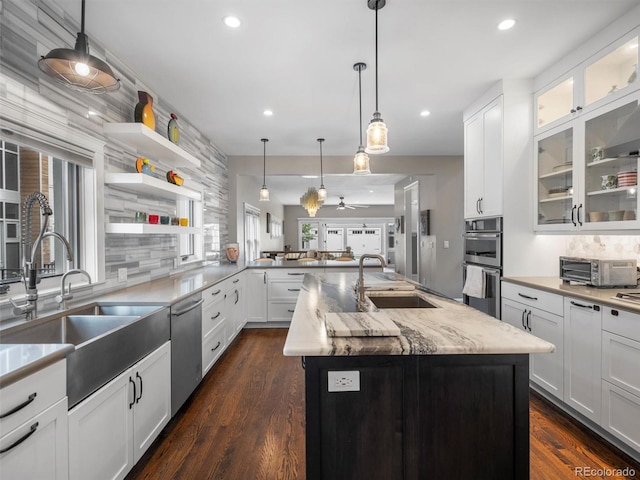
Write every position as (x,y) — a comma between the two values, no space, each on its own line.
(419,417)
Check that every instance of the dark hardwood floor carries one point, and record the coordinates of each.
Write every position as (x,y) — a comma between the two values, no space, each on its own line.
(246,421)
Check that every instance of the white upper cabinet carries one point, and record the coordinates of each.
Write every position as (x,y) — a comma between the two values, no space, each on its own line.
(605,77)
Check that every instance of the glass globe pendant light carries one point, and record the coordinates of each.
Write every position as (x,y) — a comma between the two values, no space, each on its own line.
(377,130)
(264,191)
(77,69)
(361,160)
(322,192)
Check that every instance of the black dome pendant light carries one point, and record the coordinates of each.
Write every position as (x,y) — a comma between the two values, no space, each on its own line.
(361,160)
(377,130)
(77,69)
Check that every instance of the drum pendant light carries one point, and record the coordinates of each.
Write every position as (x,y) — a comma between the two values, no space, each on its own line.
(264,191)
(361,160)
(77,69)
(377,131)
(322,192)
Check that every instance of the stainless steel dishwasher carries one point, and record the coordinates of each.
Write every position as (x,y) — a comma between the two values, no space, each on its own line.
(186,349)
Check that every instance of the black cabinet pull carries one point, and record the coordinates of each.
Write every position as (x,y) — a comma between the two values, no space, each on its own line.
(527,296)
(582,305)
(33,429)
(528,319)
(237,297)
(579,221)
(17,408)
(573,215)
(573,110)
(216,315)
(290,311)
(480,204)
(213,294)
(236,280)
(293,289)
(139,396)
(522,319)
(134,393)
(216,347)
(578,108)
(264,279)
(614,313)
(296,273)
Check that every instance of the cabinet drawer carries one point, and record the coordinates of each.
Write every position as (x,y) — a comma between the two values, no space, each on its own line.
(291,273)
(621,414)
(620,361)
(212,348)
(32,395)
(281,311)
(214,293)
(212,316)
(284,289)
(621,322)
(549,302)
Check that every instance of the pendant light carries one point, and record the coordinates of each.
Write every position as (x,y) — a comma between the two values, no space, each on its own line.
(361,160)
(310,201)
(322,192)
(264,191)
(77,69)
(377,131)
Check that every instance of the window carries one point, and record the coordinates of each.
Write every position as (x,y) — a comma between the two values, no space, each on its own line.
(24,170)
(251,232)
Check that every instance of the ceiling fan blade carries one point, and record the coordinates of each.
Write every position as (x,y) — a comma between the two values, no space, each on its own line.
(350,207)
(359,206)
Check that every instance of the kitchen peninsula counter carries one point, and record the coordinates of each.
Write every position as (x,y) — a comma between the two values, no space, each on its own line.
(446,398)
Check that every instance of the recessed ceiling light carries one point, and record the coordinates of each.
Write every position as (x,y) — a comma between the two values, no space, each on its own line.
(309,176)
(425,113)
(268,113)
(506,24)
(231,21)
(91,112)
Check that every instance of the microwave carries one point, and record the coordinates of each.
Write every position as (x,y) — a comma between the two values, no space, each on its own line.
(599,272)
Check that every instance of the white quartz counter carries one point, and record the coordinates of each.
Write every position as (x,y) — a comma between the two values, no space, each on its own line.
(451,328)
(19,361)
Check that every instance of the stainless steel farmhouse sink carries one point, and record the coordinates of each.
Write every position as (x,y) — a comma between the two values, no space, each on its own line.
(108,339)
(400,301)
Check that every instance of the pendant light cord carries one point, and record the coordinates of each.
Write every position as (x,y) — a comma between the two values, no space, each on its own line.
(82,19)
(321,176)
(377,8)
(360,98)
(264,162)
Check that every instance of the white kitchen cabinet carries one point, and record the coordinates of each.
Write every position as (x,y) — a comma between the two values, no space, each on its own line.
(604,77)
(537,313)
(110,430)
(621,414)
(586,170)
(214,321)
(582,357)
(37,449)
(483,156)
(256,299)
(234,307)
(283,288)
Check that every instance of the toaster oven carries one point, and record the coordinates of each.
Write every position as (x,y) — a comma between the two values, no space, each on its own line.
(601,273)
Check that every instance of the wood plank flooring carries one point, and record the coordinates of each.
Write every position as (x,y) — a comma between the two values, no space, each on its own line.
(246,421)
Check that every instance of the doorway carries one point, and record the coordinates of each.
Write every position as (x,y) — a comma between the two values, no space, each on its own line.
(412,230)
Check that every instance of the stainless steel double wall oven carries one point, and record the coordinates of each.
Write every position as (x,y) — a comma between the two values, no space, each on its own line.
(483,247)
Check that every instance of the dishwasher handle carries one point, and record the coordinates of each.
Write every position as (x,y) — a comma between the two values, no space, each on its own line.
(188,309)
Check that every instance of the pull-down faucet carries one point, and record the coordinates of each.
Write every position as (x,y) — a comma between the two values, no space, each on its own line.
(29,265)
(360,284)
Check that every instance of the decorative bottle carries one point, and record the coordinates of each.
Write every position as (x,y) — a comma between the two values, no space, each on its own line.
(144,110)
(172,129)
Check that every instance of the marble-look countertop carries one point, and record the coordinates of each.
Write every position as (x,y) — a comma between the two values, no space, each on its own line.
(368,262)
(603,296)
(451,328)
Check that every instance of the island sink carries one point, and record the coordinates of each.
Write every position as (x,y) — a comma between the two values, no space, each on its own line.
(405,301)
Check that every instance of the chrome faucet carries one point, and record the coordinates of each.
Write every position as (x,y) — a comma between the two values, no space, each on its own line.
(360,284)
(29,266)
(64,295)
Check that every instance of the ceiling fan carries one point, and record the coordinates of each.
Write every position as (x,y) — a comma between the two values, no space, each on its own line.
(342,205)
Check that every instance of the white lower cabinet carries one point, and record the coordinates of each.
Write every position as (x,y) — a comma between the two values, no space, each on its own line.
(111,429)
(256,298)
(234,308)
(621,414)
(37,449)
(582,357)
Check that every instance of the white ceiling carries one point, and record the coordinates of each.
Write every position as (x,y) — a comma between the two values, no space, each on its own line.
(296,58)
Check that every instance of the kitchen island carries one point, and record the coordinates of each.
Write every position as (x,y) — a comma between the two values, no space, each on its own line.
(446,398)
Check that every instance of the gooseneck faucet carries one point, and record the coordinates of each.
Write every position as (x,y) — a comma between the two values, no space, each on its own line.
(29,251)
(360,283)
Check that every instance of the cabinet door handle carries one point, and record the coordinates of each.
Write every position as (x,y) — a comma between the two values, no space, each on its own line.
(17,408)
(237,297)
(296,273)
(134,393)
(293,289)
(290,311)
(216,347)
(216,315)
(236,280)
(31,431)
(522,319)
(581,305)
(480,204)
(265,278)
(573,110)
(527,296)
(213,294)
(578,216)
(615,313)
(573,215)
(578,108)
(139,396)
(528,319)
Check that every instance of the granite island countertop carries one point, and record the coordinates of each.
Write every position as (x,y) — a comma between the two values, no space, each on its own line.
(450,328)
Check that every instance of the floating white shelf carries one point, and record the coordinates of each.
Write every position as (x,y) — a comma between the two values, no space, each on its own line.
(144,228)
(151,186)
(150,144)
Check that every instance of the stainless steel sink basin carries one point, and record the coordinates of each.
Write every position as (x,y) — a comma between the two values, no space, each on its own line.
(108,339)
(398,301)
(74,329)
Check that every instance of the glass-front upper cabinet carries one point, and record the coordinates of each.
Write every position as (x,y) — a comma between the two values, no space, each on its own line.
(606,76)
